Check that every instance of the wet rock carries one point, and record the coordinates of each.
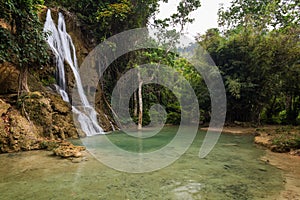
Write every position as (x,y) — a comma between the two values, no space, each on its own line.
(62,117)
(36,125)
(280,149)
(49,144)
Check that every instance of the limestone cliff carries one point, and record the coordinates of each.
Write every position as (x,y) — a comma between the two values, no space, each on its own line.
(30,120)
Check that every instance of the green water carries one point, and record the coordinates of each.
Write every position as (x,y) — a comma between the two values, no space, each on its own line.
(233,170)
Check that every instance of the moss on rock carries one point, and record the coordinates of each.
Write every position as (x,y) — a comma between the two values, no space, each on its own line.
(50,114)
(16,132)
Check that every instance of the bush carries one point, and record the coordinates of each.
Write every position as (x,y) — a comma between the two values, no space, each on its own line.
(286,142)
(173,118)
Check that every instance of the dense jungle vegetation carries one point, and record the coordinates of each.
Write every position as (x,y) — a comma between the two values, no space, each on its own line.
(256,48)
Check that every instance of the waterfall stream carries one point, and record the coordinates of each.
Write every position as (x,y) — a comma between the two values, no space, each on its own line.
(64,50)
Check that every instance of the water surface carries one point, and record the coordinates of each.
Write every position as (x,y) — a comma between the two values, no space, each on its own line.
(233,170)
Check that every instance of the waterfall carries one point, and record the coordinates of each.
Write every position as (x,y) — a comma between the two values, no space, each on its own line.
(64,50)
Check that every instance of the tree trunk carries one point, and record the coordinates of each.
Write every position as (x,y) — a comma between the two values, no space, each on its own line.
(23,86)
(140,120)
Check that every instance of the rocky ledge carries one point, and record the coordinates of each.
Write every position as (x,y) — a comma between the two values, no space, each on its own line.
(37,121)
(280,139)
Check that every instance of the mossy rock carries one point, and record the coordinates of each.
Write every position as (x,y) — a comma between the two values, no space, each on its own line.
(16,132)
(59,105)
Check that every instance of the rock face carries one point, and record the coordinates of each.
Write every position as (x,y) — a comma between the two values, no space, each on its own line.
(8,78)
(19,133)
(16,132)
(50,114)
(41,119)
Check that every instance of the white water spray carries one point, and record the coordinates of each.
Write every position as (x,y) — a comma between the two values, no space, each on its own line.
(63,48)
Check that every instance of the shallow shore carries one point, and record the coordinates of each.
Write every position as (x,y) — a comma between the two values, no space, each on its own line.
(289,164)
(234,130)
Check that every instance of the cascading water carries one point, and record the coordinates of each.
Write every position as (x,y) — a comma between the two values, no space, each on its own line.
(63,48)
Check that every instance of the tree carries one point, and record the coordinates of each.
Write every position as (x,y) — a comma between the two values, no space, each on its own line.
(258,56)
(286,53)
(103,19)
(181,17)
(24,43)
(262,14)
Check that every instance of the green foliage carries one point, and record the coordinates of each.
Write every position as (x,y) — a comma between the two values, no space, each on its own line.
(259,65)
(280,118)
(48,81)
(174,113)
(114,11)
(23,43)
(173,118)
(156,117)
(146,118)
(234,87)
(184,9)
(261,14)
(286,141)
(6,44)
(103,19)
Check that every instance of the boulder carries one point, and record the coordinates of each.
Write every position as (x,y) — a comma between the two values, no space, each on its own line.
(67,149)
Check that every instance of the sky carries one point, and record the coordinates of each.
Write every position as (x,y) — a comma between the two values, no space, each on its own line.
(205,17)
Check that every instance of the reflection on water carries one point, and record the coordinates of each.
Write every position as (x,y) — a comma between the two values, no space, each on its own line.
(233,170)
